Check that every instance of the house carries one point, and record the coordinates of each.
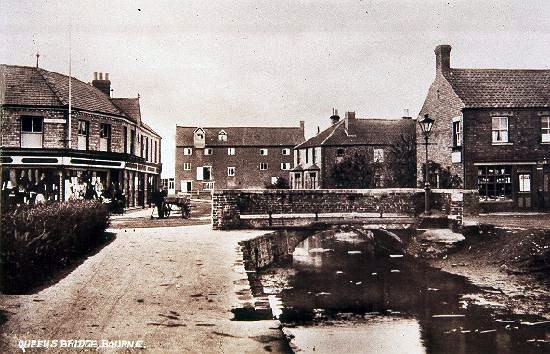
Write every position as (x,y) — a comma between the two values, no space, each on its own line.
(491,132)
(387,146)
(233,157)
(107,143)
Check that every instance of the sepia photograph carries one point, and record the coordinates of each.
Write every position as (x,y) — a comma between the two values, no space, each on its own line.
(284,176)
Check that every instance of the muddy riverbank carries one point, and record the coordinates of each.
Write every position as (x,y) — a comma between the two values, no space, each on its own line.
(512,263)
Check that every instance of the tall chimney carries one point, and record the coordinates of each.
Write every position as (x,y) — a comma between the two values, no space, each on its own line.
(334,118)
(443,58)
(104,85)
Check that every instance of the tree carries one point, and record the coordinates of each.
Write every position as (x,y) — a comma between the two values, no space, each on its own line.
(355,171)
(281,183)
(402,158)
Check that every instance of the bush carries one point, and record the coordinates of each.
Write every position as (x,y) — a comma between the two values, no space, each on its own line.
(37,240)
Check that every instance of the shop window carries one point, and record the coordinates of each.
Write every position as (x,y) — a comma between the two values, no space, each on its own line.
(500,129)
(495,182)
(545,129)
(105,137)
(31,132)
(83,134)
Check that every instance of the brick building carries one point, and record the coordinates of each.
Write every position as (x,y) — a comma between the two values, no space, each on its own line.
(315,159)
(233,157)
(492,131)
(107,143)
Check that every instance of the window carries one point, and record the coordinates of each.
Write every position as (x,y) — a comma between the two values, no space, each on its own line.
(187,151)
(133,142)
(208,151)
(285,151)
(340,152)
(125,138)
(222,136)
(500,129)
(31,132)
(313,156)
(285,166)
(105,137)
(230,151)
(231,171)
(524,182)
(307,156)
(156,156)
(457,133)
(263,152)
(187,166)
(378,155)
(204,173)
(263,166)
(274,180)
(545,129)
(83,133)
(494,182)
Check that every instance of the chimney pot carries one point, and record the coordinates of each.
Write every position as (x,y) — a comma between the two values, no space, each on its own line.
(106,76)
(443,58)
(101,76)
(95,75)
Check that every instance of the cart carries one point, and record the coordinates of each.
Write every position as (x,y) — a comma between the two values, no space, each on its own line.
(177,203)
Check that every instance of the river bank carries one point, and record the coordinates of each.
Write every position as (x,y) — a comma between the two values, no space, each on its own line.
(511,263)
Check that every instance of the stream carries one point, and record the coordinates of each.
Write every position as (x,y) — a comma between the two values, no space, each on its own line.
(339,295)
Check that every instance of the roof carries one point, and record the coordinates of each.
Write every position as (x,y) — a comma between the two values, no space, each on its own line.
(130,106)
(243,136)
(37,87)
(485,88)
(366,131)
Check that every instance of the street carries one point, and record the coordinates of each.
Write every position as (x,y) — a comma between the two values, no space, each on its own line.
(173,288)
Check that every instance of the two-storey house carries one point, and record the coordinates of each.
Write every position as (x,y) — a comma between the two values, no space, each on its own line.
(233,157)
(386,145)
(492,131)
(67,134)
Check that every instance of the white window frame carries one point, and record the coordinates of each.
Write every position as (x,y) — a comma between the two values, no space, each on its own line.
(500,133)
(264,166)
(545,129)
(222,135)
(378,155)
(231,172)
(285,166)
(187,166)
(33,138)
(264,151)
(457,133)
(208,151)
(188,151)
(285,151)
(231,151)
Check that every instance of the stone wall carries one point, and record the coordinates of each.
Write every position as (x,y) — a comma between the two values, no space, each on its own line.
(232,207)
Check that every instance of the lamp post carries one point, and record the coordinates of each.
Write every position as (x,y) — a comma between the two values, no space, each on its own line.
(426,124)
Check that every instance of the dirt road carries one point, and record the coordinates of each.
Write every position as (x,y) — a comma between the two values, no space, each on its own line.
(172,288)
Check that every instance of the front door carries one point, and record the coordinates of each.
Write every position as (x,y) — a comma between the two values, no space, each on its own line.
(524,191)
(546,191)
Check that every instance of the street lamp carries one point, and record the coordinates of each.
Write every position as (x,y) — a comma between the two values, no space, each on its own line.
(426,124)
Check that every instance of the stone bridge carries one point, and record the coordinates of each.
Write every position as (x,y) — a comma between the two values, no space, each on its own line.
(377,208)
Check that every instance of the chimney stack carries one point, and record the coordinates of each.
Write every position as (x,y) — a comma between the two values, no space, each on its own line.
(334,118)
(302,125)
(443,58)
(104,85)
(406,114)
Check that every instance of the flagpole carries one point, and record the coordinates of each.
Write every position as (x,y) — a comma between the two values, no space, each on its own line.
(70,85)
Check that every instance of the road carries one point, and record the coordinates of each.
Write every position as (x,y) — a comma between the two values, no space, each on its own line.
(172,288)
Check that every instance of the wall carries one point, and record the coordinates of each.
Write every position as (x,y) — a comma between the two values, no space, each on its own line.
(234,208)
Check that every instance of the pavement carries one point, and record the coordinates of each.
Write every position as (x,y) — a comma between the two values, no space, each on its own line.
(172,288)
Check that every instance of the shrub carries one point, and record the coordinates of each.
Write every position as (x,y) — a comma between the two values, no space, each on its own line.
(36,240)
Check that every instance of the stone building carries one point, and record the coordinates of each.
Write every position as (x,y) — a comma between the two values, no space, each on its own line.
(375,139)
(492,132)
(107,143)
(233,157)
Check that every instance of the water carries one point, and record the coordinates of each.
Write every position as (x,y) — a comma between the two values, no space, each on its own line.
(340,295)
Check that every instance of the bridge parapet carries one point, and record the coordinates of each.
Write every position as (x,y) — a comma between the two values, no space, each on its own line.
(278,208)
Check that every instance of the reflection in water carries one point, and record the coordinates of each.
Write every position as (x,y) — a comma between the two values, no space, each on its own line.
(345,297)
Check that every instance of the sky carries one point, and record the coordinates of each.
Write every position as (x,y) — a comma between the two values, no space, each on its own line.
(270,63)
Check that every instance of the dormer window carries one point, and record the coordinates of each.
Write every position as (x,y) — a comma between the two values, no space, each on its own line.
(222,135)
(199,138)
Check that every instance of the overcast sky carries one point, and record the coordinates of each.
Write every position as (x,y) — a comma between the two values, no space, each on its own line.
(269,63)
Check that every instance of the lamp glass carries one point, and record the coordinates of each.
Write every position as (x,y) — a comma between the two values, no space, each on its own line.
(426,124)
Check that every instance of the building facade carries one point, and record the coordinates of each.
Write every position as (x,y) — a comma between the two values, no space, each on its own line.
(233,157)
(386,147)
(492,132)
(106,144)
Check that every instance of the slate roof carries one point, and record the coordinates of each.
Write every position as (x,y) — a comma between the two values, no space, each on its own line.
(366,131)
(243,136)
(485,88)
(130,106)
